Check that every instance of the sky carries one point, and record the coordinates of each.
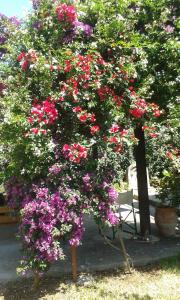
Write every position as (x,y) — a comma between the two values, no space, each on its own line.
(14,7)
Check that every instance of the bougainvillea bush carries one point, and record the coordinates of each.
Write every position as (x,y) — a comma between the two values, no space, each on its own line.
(71,98)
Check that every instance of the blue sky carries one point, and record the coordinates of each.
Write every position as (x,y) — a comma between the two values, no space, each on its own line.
(14,7)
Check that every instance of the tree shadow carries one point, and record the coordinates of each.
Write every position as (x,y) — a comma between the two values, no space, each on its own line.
(22,289)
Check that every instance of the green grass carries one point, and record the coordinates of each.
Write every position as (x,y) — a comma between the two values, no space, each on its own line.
(171,264)
(157,282)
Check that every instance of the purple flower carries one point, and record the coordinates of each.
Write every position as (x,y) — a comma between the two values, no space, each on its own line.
(2,39)
(104,184)
(14,21)
(169,29)
(86,178)
(54,169)
(35,4)
(36,25)
(112,194)
(112,218)
(69,37)
(86,29)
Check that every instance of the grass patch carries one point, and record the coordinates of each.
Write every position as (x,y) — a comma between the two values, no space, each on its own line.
(171,264)
(153,282)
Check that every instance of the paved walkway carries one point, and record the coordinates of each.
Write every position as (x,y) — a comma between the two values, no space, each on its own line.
(93,255)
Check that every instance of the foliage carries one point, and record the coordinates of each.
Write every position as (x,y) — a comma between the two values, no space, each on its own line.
(77,78)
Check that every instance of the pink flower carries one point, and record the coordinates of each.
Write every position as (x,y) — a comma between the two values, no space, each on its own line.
(66,14)
(66,147)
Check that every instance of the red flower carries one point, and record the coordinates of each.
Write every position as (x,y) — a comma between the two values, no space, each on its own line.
(77,109)
(61,98)
(68,66)
(94,129)
(75,152)
(51,68)
(104,92)
(58,68)
(24,65)
(43,131)
(153,135)
(92,118)
(114,128)
(130,88)
(34,130)
(133,94)
(118,148)
(83,117)
(117,99)
(113,140)
(137,113)
(30,120)
(123,132)
(156,113)
(20,56)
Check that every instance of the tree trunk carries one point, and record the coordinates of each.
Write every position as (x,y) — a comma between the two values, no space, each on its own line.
(143,197)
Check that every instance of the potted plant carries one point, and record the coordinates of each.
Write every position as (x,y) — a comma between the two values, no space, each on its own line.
(169,195)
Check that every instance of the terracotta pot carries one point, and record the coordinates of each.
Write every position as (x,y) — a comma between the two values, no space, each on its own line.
(166,220)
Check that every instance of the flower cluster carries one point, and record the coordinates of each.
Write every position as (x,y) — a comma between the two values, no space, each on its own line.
(139,107)
(104,201)
(5,32)
(66,14)
(86,29)
(55,169)
(75,152)
(87,122)
(26,59)
(46,218)
(35,4)
(44,113)
(173,154)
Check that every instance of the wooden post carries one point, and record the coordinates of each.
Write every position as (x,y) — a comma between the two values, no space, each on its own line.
(36,281)
(74,262)
(142,183)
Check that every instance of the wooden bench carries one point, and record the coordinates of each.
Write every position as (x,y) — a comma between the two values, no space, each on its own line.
(7,215)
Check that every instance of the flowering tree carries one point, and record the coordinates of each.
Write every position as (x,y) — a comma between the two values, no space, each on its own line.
(71,100)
